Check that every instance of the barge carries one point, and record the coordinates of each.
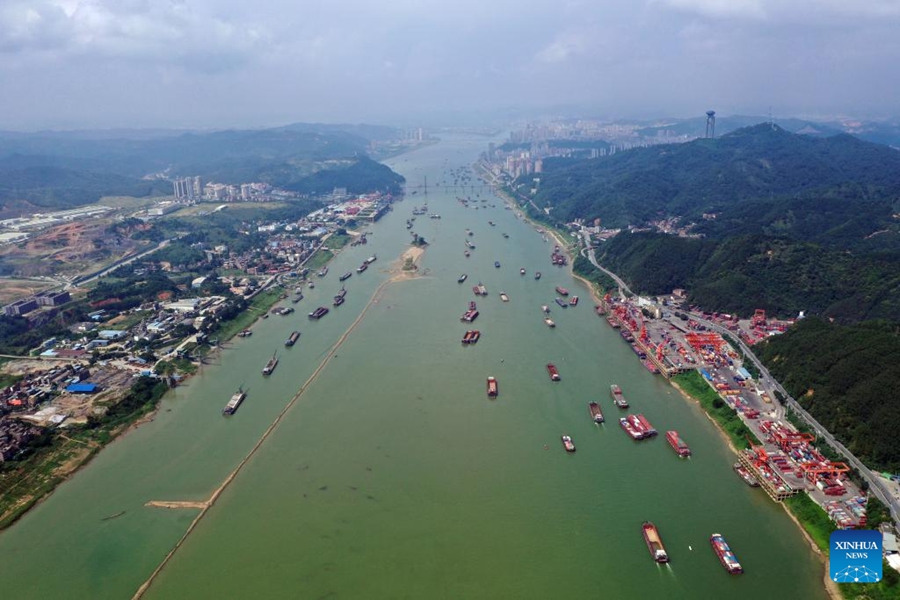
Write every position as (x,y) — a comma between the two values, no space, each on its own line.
(654,543)
(235,402)
(562,291)
(678,444)
(573,301)
(292,339)
(726,556)
(617,396)
(746,475)
(270,366)
(471,337)
(492,388)
(346,276)
(596,413)
(318,313)
(562,303)
(553,372)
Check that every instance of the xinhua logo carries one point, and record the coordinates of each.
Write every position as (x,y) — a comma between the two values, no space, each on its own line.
(855,556)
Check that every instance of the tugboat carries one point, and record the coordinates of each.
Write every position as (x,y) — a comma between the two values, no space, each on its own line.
(654,544)
(568,444)
(537,275)
(492,389)
(338,300)
(293,339)
(235,402)
(497,264)
(726,556)
(461,278)
(504,297)
(270,366)
(596,413)
(467,254)
(545,308)
(553,372)
(522,271)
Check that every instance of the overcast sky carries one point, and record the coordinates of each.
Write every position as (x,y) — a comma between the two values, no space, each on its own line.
(223,63)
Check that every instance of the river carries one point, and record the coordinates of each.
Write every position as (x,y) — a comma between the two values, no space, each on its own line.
(393,475)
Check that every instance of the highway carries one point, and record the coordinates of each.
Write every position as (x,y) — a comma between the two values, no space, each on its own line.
(770,384)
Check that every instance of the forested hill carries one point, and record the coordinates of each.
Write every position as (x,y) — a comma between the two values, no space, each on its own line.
(754,164)
(847,378)
(64,169)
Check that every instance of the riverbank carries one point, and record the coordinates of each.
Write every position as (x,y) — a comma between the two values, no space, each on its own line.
(811,533)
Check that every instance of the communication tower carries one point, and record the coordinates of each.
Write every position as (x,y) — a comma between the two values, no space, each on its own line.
(710,123)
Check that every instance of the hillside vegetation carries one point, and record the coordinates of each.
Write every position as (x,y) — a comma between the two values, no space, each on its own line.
(760,163)
(847,378)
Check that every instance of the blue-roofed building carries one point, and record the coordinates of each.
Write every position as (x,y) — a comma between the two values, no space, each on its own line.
(81,388)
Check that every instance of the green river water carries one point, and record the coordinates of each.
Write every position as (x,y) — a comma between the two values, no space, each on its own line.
(393,476)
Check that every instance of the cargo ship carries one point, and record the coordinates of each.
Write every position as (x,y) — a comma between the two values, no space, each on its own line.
(341,293)
(573,301)
(617,396)
(549,322)
(504,297)
(746,475)
(522,271)
(562,291)
(613,322)
(678,444)
(235,402)
(492,389)
(497,264)
(371,259)
(726,556)
(292,339)
(469,316)
(537,275)
(270,366)
(654,543)
(631,428)
(297,298)
(318,313)
(461,278)
(562,303)
(645,426)
(362,267)
(471,337)
(480,290)
(627,336)
(346,276)
(553,372)
(338,300)
(650,366)
(596,413)
(568,444)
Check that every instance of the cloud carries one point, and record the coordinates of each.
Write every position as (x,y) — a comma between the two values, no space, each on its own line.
(163,32)
(795,11)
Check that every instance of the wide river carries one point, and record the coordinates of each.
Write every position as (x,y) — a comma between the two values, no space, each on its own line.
(393,475)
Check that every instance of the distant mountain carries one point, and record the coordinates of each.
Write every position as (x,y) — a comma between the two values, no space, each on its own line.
(62,169)
(696,126)
(758,163)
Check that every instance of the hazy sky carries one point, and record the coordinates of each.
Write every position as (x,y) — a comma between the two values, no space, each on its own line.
(218,63)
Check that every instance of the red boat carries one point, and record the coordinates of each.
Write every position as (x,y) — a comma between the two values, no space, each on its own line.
(646,426)
(492,389)
(562,291)
(617,396)
(573,301)
(654,543)
(612,322)
(596,413)
(726,556)
(678,444)
(630,429)
(469,316)
(471,337)
(554,373)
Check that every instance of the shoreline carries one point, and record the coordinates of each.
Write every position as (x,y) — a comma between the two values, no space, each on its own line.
(831,588)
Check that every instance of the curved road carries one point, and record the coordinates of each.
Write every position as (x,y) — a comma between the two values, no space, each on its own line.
(770,383)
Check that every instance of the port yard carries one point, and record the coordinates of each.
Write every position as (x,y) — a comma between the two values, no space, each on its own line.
(785,462)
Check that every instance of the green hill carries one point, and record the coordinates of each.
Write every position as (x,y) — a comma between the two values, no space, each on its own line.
(760,163)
